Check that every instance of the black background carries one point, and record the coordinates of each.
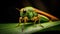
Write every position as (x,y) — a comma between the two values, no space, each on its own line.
(9,14)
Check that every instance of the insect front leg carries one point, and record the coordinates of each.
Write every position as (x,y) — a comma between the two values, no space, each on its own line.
(20,20)
(25,19)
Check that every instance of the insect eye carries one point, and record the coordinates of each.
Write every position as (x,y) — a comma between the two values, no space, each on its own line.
(24,11)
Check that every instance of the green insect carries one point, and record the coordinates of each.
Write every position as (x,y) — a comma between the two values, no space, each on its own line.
(28,13)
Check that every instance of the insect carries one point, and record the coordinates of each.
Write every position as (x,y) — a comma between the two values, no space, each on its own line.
(30,13)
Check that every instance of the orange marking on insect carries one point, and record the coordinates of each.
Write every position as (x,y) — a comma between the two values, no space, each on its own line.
(46,14)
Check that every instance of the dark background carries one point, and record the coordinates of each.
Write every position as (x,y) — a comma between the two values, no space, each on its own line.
(10,14)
